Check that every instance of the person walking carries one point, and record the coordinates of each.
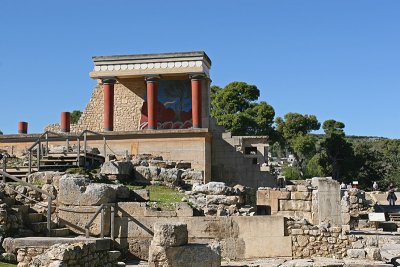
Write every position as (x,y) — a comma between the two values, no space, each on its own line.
(375,186)
(392,195)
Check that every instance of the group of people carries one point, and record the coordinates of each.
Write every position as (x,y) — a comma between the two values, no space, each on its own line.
(391,191)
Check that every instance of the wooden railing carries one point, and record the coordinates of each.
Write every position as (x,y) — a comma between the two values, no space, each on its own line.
(50,197)
(52,136)
(101,210)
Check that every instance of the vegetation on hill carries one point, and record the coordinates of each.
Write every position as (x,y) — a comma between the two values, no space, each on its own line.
(345,158)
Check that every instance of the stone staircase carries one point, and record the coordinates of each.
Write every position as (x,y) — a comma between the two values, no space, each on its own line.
(59,162)
(36,223)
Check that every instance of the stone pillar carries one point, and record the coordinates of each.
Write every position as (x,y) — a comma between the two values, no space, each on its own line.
(152,86)
(65,122)
(108,87)
(22,127)
(196,100)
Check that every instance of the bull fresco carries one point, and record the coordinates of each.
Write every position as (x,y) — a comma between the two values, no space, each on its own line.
(173,107)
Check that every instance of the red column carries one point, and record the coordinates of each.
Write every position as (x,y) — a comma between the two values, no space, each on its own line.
(22,127)
(108,87)
(65,122)
(196,100)
(152,86)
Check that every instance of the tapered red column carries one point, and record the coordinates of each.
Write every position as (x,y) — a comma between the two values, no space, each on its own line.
(22,127)
(65,122)
(196,100)
(108,87)
(152,86)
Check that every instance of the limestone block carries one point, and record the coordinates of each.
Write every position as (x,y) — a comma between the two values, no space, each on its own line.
(194,255)
(356,253)
(131,209)
(170,234)
(358,244)
(212,188)
(183,209)
(76,217)
(297,215)
(373,253)
(149,212)
(121,191)
(302,188)
(302,240)
(222,199)
(191,175)
(294,205)
(140,195)
(299,195)
(117,168)
(79,191)
(171,176)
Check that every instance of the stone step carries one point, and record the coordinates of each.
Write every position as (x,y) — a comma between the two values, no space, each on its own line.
(60,232)
(12,244)
(35,217)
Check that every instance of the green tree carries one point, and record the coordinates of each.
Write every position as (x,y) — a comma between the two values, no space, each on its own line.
(75,115)
(294,130)
(336,152)
(236,108)
(370,164)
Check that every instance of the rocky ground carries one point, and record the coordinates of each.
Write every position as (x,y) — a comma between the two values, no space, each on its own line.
(277,262)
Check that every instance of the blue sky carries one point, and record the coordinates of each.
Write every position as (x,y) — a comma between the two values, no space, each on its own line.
(335,59)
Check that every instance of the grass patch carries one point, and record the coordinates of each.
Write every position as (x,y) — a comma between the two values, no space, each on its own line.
(3,264)
(165,197)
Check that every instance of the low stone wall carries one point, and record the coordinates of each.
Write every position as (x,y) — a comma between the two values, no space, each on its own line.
(170,248)
(317,200)
(79,254)
(309,240)
(241,237)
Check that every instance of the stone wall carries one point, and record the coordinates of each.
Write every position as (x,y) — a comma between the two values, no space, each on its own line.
(316,200)
(240,237)
(170,248)
(78,254)
(128,101)
(230,164)
(323,240)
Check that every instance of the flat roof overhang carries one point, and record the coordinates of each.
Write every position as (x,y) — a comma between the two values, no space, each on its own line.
(166,64)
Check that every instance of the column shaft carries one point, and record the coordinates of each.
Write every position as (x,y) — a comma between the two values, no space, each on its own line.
(65,122)
(152,86)
(196,102)
(108,88)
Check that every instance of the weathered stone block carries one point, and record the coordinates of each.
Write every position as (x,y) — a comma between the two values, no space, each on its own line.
(373,254)
(78,191)
(76,217)
(300,195)
(140,195)
(131,209)
(170,235)
(356,253)
(195,255)
(294,205)
(183,209)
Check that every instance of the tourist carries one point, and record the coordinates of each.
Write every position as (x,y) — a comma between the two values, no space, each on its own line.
(392,195)
(375,186)
(342,185)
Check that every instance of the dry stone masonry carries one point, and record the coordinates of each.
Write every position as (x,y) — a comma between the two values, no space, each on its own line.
(215,198)
(170,248)
(67,255)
